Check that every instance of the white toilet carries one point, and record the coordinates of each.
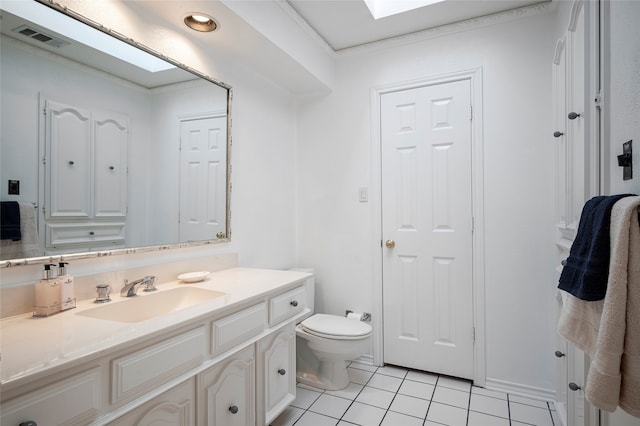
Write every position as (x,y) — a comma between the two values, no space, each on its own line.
(324,344)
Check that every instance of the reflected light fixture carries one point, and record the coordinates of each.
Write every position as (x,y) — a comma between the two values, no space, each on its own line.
(200,22)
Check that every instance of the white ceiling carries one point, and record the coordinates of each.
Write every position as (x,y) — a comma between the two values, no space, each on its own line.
(348,23)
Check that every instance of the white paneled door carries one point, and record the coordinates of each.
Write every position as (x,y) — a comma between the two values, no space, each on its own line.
(427,228)
(203,168)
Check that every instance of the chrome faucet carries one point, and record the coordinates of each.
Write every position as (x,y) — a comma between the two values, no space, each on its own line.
(131,288)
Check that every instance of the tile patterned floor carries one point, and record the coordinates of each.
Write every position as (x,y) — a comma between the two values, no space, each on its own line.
(392,396)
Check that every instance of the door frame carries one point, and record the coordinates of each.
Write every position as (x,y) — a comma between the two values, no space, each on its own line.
(477,190)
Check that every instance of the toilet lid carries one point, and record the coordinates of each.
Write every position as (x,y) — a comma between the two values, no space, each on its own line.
(333,326)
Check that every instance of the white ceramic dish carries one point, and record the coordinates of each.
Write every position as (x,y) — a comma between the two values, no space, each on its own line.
(193,277)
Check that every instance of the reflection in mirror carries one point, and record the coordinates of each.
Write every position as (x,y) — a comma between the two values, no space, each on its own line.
(103,152)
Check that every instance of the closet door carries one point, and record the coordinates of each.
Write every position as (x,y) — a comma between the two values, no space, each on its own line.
(68,161)
(111,134)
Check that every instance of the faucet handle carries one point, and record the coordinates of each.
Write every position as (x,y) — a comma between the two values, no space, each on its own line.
(150,283)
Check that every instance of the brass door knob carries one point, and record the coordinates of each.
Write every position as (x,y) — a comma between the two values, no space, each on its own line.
(390,244)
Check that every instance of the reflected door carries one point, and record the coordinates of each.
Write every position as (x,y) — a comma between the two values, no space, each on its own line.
(427,227)
(203,167)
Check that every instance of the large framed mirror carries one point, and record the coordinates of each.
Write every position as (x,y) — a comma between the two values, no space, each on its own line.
(114,147)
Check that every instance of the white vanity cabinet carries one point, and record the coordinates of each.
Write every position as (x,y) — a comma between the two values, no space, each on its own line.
(228,366)
(225,391)
(174,407)
(277,364)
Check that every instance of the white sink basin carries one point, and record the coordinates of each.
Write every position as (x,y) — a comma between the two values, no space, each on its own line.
(147,306)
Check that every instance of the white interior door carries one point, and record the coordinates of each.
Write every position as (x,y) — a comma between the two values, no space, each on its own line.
(203,168)
(427,227)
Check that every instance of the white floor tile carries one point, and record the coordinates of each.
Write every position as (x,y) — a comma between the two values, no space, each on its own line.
(365,415)
(387,383)
(359,376)
(376,397)
(390,370)
(454,383)
(528,414)
(489,405)
(350,392)
(397,419)
(330,405)
(481,419)
(417,389)
(312,419)
(451,397)
(446,414)
(410,405)
(288,417)
(423,377)
(304,398)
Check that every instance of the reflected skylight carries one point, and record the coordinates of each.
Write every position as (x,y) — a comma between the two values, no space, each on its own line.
(75,30)
(383,8)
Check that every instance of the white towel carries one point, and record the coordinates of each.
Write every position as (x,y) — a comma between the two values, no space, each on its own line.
(29,245)
(614,375)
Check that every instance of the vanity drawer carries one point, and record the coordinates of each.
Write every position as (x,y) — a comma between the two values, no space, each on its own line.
(234,329)
(60,235)
(287,305)
(75,400)
(137,373)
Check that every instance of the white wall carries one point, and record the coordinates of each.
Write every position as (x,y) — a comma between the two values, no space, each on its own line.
(335,231)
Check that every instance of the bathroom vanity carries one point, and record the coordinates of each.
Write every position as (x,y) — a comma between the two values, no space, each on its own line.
(223,353)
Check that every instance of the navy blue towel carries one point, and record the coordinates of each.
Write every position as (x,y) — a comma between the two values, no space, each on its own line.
(10,221)
(587,268)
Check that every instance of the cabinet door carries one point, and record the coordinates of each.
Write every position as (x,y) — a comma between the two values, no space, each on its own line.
(176,406)
(277,371)
(111,134)
(226,392)
(68,161)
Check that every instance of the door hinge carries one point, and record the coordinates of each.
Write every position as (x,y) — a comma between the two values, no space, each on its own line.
(473,334)
(470,112)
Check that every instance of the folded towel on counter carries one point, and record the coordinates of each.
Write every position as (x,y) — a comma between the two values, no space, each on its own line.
(614,374)
(585,272)
(10,221)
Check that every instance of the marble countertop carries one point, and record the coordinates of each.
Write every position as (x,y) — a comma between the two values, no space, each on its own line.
(31,346)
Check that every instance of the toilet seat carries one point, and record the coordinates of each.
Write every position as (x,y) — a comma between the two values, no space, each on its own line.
(335,327)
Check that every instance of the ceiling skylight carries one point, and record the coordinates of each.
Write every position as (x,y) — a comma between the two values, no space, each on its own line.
(383,8)
(75,30)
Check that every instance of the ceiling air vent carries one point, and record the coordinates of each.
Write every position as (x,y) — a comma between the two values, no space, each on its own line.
(39,36)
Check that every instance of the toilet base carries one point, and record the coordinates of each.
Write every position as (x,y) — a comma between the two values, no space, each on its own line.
(332,375)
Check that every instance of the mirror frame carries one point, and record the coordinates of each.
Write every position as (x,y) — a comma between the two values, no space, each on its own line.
(131,250)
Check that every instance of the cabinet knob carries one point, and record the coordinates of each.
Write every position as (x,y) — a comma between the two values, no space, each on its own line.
(111,168)
(573,115)
(559,354)
(557,134)
(71,163)
(282,371)
(28,423)
(233,409)
(91,233)
(294,303)
(574,387)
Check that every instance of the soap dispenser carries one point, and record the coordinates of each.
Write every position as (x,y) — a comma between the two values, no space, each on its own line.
(67,296)
(47,293)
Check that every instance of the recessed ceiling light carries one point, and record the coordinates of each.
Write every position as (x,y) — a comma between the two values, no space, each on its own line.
(200,22)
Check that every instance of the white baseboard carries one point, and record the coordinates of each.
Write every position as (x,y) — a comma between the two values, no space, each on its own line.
(365,359)
(521,390)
